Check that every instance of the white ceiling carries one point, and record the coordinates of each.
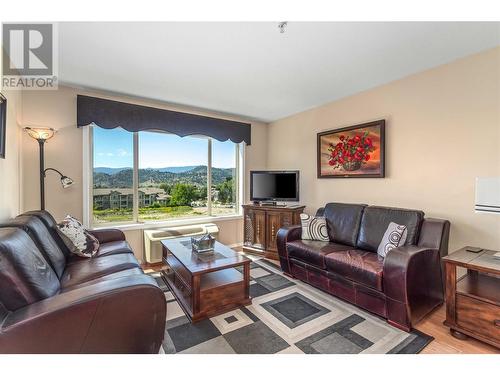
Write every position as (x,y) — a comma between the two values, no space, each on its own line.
(250,69)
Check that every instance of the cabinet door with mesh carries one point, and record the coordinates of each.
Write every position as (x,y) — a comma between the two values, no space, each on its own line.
(255,231)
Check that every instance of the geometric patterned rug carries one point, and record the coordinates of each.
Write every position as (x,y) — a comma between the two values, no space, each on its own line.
(286,316)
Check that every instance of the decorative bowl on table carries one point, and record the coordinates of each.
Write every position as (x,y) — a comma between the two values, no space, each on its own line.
(203,244)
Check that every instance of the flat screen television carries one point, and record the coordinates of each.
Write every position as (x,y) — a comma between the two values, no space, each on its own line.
(274,186)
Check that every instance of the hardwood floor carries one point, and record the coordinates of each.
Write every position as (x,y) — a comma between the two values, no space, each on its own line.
(444,343)
(432,325)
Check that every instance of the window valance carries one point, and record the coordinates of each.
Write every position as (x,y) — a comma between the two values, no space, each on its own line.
(110,114)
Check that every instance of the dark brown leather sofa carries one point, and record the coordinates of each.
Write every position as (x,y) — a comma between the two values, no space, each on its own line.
(403,287)
(54,302)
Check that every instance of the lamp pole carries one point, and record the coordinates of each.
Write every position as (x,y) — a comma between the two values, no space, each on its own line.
(41,135)
(41,143)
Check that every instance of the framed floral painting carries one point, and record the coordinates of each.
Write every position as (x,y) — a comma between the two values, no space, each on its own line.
(354,151)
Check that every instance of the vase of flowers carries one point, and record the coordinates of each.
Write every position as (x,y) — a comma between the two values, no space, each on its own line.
(351,165)
(350,153)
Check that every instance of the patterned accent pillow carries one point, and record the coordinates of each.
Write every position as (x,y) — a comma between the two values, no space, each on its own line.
(394,236)
(78,240)
(314,228)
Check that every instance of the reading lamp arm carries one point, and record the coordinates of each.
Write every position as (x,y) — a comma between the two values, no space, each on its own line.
(52,169)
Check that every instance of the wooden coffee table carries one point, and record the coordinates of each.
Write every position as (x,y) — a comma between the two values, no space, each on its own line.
(206,284)
(473,301)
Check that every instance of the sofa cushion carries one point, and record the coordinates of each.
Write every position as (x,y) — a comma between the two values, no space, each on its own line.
(78,240)
(376,219)
(114,247)
(37,230)
(93,268)
(25,275)
(124,273)
(361,266)
(314,228)
(105,249)
(394,236)
(343,220)
(51,225)
(313,252)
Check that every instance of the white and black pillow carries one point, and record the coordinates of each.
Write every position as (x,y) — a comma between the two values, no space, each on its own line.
(394,236)
(314,228)
(78,240)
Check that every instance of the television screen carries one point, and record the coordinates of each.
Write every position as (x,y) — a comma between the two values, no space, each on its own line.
(277,186)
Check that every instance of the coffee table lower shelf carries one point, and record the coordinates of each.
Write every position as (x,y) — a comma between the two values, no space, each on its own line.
(209,294)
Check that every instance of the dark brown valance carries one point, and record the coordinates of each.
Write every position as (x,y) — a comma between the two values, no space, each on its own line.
(110,114)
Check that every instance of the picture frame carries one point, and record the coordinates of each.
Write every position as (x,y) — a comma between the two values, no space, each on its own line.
(352,152)
(3,124)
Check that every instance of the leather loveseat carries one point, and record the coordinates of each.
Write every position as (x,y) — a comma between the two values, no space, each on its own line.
(52,301)
(402,287)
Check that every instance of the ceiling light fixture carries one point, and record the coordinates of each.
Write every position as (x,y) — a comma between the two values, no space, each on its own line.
(282,26)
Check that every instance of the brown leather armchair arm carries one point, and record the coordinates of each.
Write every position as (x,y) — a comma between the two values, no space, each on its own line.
(108,235)
(412,284)
(287,234)
(123,315)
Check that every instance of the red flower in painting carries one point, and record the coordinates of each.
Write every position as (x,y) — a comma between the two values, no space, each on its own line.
(355,149)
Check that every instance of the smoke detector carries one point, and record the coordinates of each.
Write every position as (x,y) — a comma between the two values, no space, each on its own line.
(282,26)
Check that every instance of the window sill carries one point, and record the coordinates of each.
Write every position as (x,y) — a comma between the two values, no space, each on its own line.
(168,223)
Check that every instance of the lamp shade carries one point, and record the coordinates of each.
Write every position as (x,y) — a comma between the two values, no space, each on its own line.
(40,134)
(66,182)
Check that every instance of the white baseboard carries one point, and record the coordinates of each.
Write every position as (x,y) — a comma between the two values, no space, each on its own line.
(239,244)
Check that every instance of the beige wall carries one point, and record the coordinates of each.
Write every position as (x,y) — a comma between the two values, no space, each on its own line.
(442,131)
(57,109)
(10,166)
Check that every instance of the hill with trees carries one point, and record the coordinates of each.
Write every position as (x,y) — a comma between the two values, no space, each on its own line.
(196,176)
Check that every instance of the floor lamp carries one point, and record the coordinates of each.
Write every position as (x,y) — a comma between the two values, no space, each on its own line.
(41,135)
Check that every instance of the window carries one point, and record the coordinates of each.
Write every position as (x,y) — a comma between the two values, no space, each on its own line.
(224,178)
(156,176)
(113,197)
(173,176)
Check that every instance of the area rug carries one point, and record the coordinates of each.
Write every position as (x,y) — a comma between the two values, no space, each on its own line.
(286,316)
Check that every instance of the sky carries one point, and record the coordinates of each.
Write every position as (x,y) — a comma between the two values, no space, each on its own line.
(113,148)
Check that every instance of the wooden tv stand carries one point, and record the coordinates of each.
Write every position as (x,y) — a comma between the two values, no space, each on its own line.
(261,224)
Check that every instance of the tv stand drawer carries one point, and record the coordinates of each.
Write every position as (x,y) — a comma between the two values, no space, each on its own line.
(478,316)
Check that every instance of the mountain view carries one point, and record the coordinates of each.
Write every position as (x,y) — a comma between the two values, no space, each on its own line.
(108,170)
(168,192)
(193,175)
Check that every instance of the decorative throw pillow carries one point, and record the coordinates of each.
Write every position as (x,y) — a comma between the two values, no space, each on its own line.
(78,240)
(314,228)
(394,236)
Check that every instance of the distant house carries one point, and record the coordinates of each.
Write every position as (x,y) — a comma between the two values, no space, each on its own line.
(215,194)
(123,198)
(163,198)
